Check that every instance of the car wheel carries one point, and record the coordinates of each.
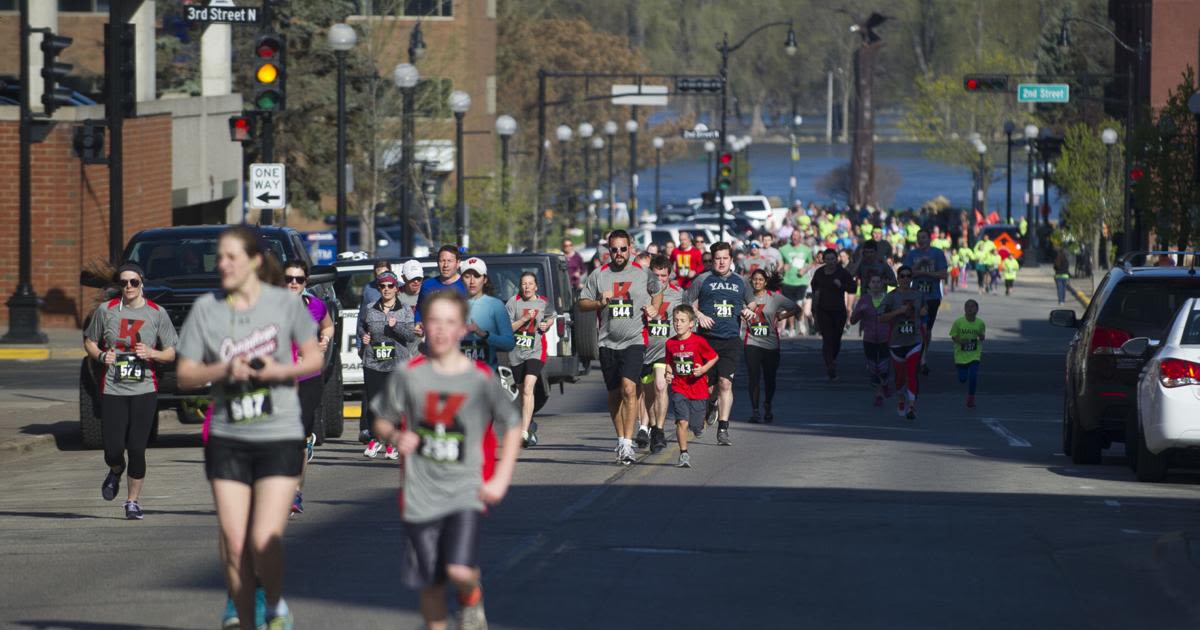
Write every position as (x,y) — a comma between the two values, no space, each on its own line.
(586,336)
(1148,467)
(89,410)
(1086,446)
(331,403)
(1067,423)
(1131,442)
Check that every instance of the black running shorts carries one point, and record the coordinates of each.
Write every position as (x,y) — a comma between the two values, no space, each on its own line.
(247,462)
(452,539)
(625,363)
(795,292)
(528,366)
(729,356)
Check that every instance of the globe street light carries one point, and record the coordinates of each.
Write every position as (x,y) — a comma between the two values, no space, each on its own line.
(658,143)
(506,126)
(610,130)
(1009,128)
(709,148)
(797,120)
(981,149)
(596,195)
(341,38)
(1109,138)
(563,133)
(460,102)
(1031,132)
(406,77)
(631,126)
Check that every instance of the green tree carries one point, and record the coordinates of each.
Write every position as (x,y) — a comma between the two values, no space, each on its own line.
(1089,174)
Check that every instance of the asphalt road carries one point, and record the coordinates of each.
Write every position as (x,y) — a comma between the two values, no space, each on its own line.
(840,515)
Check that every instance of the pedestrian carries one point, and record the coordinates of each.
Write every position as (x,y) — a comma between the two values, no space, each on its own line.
(1008,270)
(624,293)
(982,255)
(386,334)
(440,412)
(531,315)
(489,329)
(240,341)
(1062,274)
(448,260)
(688,260)
(574,263)
(875,331)
(757,260)
(831,284)
(968,333)
(994,262)
(761,338)
(310,387)
(654,363)
(720,298)
(903,310)
(929,271)
(130,336)
(370,294)
(770,252)
(689,360)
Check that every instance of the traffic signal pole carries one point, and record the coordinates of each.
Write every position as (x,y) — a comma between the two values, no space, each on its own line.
(115,113)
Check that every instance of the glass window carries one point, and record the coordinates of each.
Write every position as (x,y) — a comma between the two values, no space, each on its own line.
(506,278)
(1191,333)
(1146,307)
(179,258)
(429,8)
(8,5)
(349,288)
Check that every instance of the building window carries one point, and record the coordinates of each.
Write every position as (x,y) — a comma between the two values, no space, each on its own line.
(432,98)
(429,8)
(83,6)
(8,5)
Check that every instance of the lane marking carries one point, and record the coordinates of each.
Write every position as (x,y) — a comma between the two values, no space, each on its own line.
(1112,503)
(654,550)
(1002,431)
(831,425)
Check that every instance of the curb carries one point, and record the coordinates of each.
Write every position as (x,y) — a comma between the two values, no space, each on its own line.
(40,353)
(1079,295)
(28,443)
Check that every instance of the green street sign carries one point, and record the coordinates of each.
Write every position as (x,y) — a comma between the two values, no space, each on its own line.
(1043,93)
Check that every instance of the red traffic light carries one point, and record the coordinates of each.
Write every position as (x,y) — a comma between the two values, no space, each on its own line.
(1136,174)
(972,84)
(268,47)
(726,158)
(241,128)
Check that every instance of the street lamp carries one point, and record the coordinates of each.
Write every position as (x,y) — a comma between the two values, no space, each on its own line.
(341,38)
(460,102)
(585,131)
(709,148)
(596,196)
(563,133)
(406,77)
(1009,128)
(1109,138)
(416,44)
(1031,134)
(506,126)
(981,149)
(797,120)
(658,143)
(631,126)
(610,130)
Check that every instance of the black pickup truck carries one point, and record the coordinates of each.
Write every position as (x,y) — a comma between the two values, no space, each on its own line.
(181,265)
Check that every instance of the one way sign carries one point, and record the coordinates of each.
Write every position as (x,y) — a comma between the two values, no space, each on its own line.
(268,186)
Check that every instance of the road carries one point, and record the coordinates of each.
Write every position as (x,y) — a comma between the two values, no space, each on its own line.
(840,515)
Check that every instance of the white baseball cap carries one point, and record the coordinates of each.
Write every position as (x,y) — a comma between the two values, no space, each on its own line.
(473,264)
(411,270)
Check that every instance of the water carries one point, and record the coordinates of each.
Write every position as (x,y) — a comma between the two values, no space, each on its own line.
(922,179)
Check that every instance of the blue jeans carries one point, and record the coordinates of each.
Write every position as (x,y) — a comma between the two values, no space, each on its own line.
(969,374)
(1061,285)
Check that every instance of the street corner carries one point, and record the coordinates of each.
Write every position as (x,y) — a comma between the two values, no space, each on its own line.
(1082,297)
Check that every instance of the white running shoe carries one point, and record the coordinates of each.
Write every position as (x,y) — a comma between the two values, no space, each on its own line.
(391,453)
(373,448)
(628,456)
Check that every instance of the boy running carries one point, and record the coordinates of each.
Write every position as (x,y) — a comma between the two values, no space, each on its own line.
(654,370)
(689,358)
(968,333)
(439,412)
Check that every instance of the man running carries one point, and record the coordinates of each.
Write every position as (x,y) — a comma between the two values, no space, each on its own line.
(929,271)
(654,368)
(797,261)
(623,293)
(720,296)
(447,278)
(757,260)
(688,260)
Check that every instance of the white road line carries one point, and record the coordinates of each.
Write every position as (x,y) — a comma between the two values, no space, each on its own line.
(1002,431)
(829,425)
(1112,503)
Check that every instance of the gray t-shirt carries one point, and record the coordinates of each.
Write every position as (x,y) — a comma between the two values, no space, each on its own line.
(752,263)
(214,332)
(390,345)
(906,331)
(120,328)
(451,413)
(661,328)
(621,315)
(529,341)
(761,331)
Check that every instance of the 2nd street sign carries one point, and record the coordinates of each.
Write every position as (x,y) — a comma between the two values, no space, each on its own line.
(1043,93)
(221,12)
(268,187)
(710,134)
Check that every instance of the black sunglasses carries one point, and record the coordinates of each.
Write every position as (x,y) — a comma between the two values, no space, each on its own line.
(387,285)
(619,249)
(296,279)
(132,282)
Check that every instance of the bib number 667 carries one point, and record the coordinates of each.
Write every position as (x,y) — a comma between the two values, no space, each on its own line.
(247,407)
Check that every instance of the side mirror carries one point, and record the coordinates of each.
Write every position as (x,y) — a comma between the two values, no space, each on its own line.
(320,274)
(1136,347)
(90,279)
(1063,317)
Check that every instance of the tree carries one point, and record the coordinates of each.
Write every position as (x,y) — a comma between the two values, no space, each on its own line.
(1169,196)
(1090,176)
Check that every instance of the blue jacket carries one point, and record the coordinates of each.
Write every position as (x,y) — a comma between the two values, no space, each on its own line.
(489,314)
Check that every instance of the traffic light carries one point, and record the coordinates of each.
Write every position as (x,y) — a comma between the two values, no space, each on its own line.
(89,142)
(54,71)
(241,128)
(1136,175)
(725,171)
(985,82)
(698,84)
(124,78)
(270,73)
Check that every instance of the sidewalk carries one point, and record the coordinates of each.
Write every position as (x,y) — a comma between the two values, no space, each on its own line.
(62,343)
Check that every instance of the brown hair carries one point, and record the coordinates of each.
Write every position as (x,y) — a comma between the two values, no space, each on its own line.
(269,271)
(686,309)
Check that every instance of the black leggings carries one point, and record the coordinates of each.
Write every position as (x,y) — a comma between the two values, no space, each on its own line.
(125,425)
(373,383)
(761,362)
(311,391)
(832,325)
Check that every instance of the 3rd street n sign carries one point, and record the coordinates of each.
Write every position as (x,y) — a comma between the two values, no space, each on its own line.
(1043,93)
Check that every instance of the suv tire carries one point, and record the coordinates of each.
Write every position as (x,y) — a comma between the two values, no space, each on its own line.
(1086,446)
(329,415)
(89,409)
(1147,465)
(586,336)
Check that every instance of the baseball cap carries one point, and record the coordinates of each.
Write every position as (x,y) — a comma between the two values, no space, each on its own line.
(387,276)
(474,264)
(411,270)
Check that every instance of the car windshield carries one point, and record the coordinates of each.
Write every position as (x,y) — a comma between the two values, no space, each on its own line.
(1145,307)
(993,232)
(173,257)
(349,287)
(1191,332)
(506,278)
(750,204)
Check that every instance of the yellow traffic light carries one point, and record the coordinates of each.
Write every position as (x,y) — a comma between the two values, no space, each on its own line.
(267,73)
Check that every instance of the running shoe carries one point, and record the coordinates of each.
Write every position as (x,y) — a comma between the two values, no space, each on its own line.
(712,416)
(643,437)
(627,454)
(229,619)
(723,437)
(133,511)
(901,406)
(970,401)
(769,416)
(282,622)
(472,617)
(832,372)
(373,448)
(697,431)
(391,453)
(298,503)
(912,412)
(685,460)
(111,486)
(620,451)
(309,443)
(364,436)
(524,439)
(533,436)
(658,440)
(754,419)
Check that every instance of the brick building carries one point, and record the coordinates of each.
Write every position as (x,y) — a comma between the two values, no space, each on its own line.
(1172,30)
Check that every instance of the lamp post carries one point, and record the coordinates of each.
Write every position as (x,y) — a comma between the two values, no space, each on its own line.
(610,130)
(981,149)
(585,131)
(1009,128)
(406,77)
(658,143)
(593,198)
(1031,132)
(631,126)
(789,46)
(709,148)
(563,133)
(460,102)
(1109,138)
(797,120)
(416,44)
(341,38)
(506,126)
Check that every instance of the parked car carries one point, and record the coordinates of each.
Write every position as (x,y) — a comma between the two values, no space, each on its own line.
(1100,395)
(755,208)
(1168,395)
(660,234)
(181,265)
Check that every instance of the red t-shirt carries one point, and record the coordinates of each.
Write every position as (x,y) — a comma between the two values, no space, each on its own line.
(684,356)
(689,263)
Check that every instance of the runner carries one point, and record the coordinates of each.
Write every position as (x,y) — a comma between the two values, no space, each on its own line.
(903,310)
(770,252)
(386,333)
(869,265)
(310,387)
(720,298)
(689,359)
(688,260)
(762,338)
(440,411)
(654,368)
(240,341)
(117,338)
(371,294)
(968,333)
(1008,270)
(867,314)
(831,284)
(757,260)
(929,271)
(531,316)
(448,276)
(412,275)
(489,330)
(797,259)
(622,292)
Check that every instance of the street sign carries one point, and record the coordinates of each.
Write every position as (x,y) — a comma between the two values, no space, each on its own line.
(221,12)
(707,134)
(268,187)
(1043,93)
(648,95)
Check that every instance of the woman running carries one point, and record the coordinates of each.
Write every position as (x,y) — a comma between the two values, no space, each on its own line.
(903,310)
(489,330)
(531,316)
(831,284)
(386,332)
(117,338)
(762,337)
(240,340)
(309,387)
(875,331)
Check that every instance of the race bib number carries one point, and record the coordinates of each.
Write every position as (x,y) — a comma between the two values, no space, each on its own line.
(384,351)
(130,369)
(908,327)
(970,346)
(475,350)
(684,367)
(924,285)
(760,330)
(619,308)
(724,309)
(659,329)
(524,341)
(440,446)
(250,405)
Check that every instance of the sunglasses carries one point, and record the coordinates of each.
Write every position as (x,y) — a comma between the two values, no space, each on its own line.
(295,279)
(387,285)
(619,249)
(132,282)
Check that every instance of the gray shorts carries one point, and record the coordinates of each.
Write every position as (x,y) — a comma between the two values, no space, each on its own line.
(683,408)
